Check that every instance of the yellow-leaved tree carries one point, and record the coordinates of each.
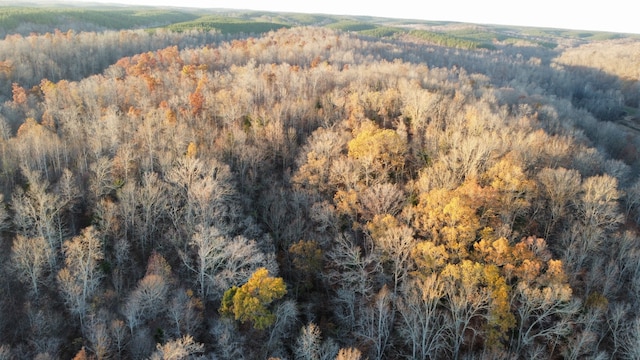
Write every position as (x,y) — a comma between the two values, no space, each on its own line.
(250,301)
(447,218)
(379,152)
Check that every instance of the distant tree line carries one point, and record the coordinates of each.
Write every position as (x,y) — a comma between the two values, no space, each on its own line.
(26,20)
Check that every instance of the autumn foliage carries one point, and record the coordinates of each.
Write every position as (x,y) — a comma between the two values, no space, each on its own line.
(315,194)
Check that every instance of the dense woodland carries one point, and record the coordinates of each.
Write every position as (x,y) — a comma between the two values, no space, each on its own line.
(314,193)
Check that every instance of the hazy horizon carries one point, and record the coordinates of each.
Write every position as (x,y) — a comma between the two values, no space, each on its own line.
(546,13)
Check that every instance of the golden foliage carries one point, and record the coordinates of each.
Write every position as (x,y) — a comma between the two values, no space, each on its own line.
(192,150)
(249,302)
(500,318)
(381,225)
(380,152)
(446,219)
(513,189)
(429,258)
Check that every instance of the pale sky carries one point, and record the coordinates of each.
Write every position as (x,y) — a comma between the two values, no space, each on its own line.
(610,15)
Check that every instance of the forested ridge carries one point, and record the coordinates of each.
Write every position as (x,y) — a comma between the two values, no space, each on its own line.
(317,193)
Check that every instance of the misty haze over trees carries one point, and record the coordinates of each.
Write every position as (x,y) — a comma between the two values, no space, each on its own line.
(299,191)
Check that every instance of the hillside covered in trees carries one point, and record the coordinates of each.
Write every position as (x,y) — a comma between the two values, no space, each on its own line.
(328,188)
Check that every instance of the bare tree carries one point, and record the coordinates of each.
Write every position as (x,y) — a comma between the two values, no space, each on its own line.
(101,182)
(351,268)
(381,199)
(286,314)
(5,221)
(119,336)
(97,333)
(591,330)
(598,216)
(544,315)
(38,211)
(127,210)
(44,326)
(80,278)
(230,342)
(185,312)
(178,349)
(631,345)
(394,243)
(309,345)
(599,207)
(147,300)
(30,258)
(376,322)
(632,200)
(421,321)
(153,205)
(142,344)
(203,192)
(468,156)
(323,147)
(219,262)
(560,187)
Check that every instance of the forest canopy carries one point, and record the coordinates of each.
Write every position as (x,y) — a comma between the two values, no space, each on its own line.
(358,191)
